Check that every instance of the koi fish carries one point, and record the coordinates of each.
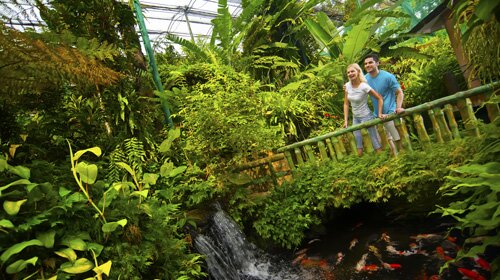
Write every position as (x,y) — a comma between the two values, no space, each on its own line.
(309,263)
(375,251)
(340,258)
(470,274)
(314,240)
(440,251)
(370,268)
(361,263)
(391,266)
(392,250)
(357,225)
(427,236)
(298,259)
(302,251)
(353,243)
(385,237)
(482,263)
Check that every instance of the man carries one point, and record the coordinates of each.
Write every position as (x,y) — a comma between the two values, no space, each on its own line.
(385,84)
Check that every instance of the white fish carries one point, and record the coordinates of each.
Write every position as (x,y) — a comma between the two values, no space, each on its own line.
(361,263)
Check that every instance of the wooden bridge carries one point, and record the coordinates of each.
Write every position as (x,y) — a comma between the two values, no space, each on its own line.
(447,118)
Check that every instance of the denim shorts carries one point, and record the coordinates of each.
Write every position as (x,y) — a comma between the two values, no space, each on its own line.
(371,130)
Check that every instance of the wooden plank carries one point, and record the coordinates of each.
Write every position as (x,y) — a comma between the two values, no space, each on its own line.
(435,127)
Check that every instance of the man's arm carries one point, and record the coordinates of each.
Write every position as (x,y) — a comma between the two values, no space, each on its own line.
(399,101)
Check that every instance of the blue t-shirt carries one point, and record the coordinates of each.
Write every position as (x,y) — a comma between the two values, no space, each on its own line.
(386,85)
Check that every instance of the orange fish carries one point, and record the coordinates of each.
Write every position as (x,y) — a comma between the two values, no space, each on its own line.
(440,251)
(482,263)
(370,267)
(470,274)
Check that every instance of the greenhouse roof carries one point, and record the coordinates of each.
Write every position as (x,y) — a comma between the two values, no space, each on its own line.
(189,19)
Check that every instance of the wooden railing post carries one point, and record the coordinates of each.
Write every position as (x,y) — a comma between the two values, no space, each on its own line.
(403,134)
(448,110)
(435,127)
(367,142)
(333,156)
(422,133)
(322,150)
(289,159)
(471,122)
(298,155)
(445,131)
(492,107)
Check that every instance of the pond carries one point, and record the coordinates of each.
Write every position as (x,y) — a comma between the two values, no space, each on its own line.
(359,243)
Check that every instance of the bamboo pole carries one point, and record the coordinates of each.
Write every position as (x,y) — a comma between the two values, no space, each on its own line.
(310,153)
(492,107)
(322,150)
(336,144)
(435,127)
(403,134)
(352,143)
(333,156)
(298,155)
(445,131)
(289,159)
(273,174)
(422,133)
(367,142)
(448,110)
(471,123)
(383,136)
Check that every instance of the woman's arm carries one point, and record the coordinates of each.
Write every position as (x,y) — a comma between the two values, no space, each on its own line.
(346,108)
(380,102)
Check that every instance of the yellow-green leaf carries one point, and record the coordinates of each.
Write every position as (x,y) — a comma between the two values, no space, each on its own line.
(16,248)
(79,266)
(110,227)
(6,224)
(95,150)
(143,193)
(13,207)
(67,253)
(47,238)
(75,244)
(104,268)
(88,172)
(19,265)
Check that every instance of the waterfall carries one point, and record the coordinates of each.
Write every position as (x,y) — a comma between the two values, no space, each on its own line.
(230,256)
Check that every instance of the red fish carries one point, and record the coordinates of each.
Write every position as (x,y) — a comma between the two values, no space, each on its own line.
(395,265)
(370,267)
(482,263)
(470,274)
(440,251)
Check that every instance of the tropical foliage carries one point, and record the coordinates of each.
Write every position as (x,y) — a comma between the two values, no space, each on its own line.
(125,207)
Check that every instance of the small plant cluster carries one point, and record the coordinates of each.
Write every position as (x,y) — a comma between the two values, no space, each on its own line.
(474,189)
(290,210)
(131,228)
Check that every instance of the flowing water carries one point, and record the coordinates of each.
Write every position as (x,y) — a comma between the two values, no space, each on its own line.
(230,256)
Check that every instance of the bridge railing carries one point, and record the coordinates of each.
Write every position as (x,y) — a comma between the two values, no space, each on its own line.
(443,127)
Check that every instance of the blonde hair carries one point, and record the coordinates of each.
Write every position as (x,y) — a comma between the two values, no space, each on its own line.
(356,67)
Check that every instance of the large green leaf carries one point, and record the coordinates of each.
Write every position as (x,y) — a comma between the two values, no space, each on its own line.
(110,227)
(14,249)
(150,178)
(6,224)
(485,9)
(67,253)
(3,164)
(18,182)
(88,172)
(95,150)
(19,265)
(356,40)
(79,266)
(75,243)
(13,207)
(20,171)
(47,238)
(104,268)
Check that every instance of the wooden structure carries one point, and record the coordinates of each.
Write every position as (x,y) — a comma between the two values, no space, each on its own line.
(441,125)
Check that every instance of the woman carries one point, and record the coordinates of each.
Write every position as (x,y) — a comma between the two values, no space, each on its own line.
(356,92)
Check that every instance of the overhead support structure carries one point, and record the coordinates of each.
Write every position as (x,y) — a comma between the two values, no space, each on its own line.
(152,62)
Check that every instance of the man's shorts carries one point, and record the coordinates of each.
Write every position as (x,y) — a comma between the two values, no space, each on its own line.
(392,132)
